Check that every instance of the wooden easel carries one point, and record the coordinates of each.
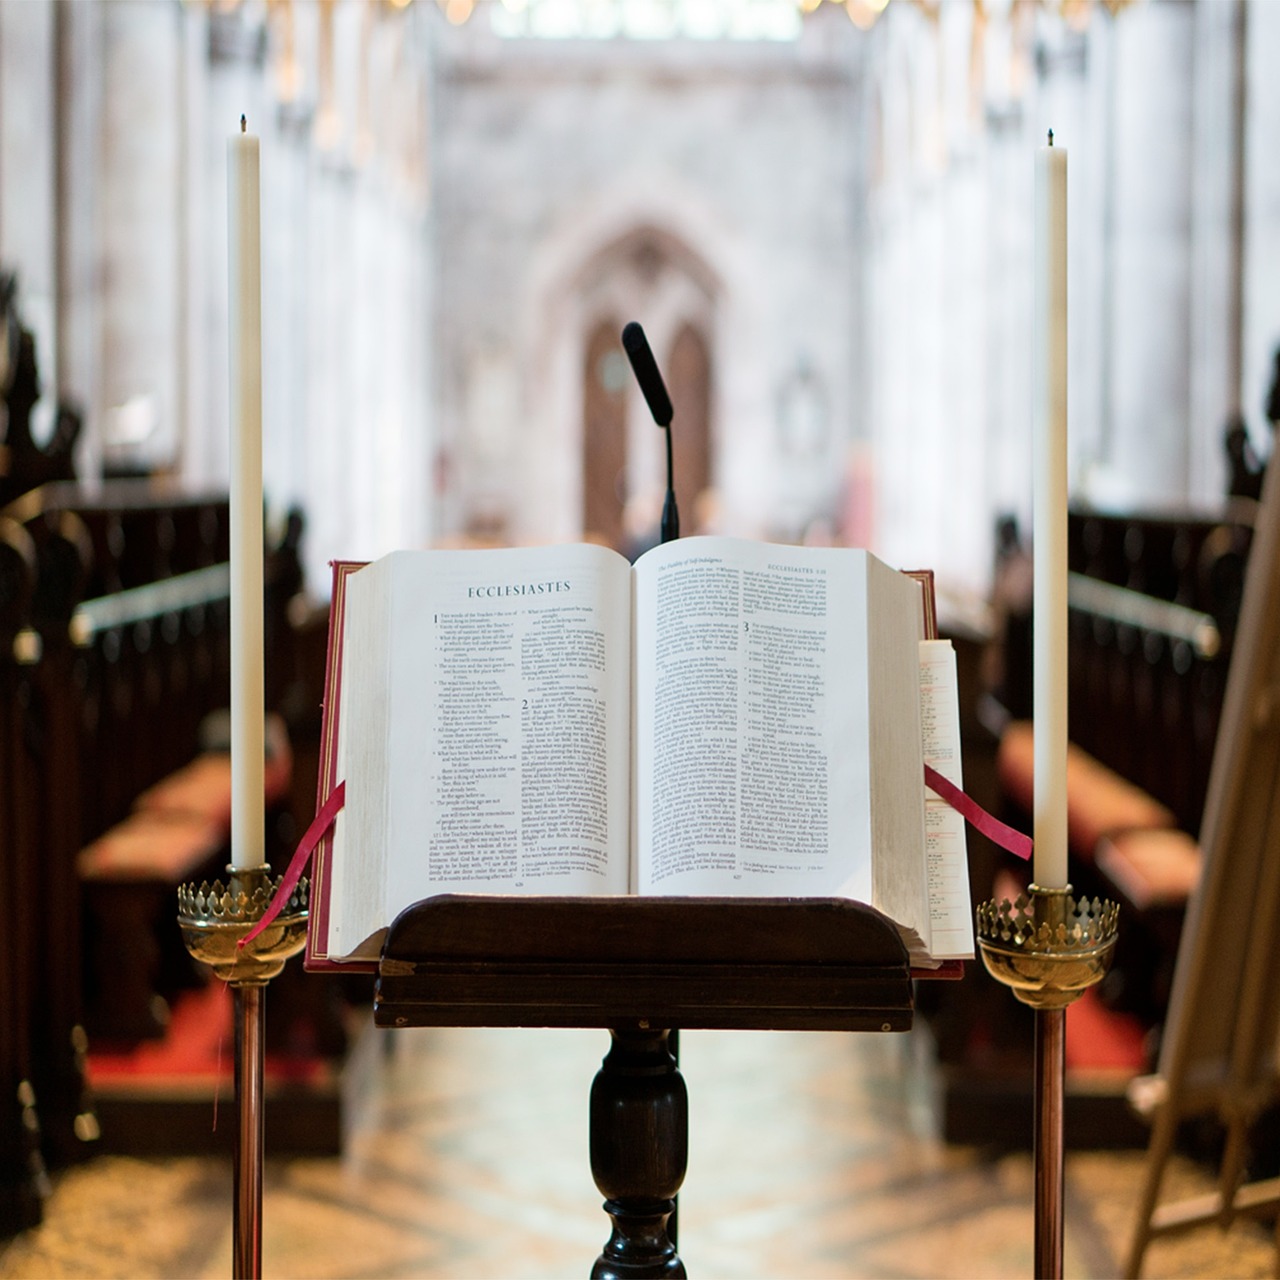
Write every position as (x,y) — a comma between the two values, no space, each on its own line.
(1219,1051)
(641,967)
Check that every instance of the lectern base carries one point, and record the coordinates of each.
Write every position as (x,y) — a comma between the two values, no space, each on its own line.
(639,1153)
(639,967)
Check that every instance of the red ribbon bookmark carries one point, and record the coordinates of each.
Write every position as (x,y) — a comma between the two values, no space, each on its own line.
(1005,836)
(301,856)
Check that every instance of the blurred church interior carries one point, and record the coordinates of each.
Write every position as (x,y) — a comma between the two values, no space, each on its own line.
(822,213)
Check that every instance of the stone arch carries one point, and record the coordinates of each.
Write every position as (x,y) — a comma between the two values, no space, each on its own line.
(604,420)
(650,275)
(663,260)
(689,377)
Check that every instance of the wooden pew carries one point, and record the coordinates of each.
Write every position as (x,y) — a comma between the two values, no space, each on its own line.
(45,785)
(23,1178)
(109,797)
(1153,606)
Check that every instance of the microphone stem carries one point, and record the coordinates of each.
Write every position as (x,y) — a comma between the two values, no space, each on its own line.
(670,516)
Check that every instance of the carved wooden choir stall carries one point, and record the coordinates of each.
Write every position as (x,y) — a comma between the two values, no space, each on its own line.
(1154,602)
(114,781)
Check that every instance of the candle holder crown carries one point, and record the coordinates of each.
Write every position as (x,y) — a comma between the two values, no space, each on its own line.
(1048,947)
(213,919)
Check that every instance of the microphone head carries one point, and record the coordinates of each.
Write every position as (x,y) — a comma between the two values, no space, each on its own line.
(645,368)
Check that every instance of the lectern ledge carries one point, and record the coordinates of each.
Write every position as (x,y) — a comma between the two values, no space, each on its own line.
(641,967)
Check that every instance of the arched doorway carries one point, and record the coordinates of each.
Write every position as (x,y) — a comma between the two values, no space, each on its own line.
(650,276)
(688,379)
(604,434)
(607,485)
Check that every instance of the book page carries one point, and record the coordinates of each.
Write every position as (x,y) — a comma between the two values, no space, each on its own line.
(950,905)
(749,779)
(357,861)
(508,725)
(895,621)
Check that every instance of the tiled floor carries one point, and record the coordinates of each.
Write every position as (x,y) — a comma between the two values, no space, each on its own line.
(810,1156)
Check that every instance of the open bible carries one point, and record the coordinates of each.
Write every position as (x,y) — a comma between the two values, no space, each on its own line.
(723,718)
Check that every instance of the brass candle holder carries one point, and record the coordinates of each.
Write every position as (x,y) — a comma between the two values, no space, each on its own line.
(1048,948)
(214,921)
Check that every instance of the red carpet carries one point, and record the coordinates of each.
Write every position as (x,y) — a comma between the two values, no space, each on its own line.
(1099,1039)
(199,1044)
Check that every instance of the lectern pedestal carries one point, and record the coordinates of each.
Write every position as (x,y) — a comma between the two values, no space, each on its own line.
(641,967)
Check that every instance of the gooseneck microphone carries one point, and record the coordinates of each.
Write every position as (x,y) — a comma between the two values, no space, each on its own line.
(645,368)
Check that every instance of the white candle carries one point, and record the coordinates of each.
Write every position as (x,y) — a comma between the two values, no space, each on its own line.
(1049,494)
(248,845)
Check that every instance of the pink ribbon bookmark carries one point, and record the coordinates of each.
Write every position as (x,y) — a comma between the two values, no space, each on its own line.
(301,857)
(1005,836)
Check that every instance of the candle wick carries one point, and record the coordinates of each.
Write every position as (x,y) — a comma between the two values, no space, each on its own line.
(243,126)
(1050,132)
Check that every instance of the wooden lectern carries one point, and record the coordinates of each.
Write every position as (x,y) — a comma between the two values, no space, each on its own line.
(641,967)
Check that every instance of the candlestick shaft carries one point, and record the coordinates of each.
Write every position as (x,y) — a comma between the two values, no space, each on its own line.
(249,1011)
(247,680)
(1049,1141)
(1049,496)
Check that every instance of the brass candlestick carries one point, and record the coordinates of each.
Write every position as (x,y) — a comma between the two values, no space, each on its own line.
(213,921)
(1049,949)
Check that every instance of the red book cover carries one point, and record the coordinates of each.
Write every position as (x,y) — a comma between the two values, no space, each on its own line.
(316,957)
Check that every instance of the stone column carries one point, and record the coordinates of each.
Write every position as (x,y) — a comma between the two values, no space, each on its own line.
(1008,289)
(28,183)
(328,338)
(1217,158)
(962,551)
(235,86)
(202,217)
(1150,296)
(1090,175)
(79,104)
(286,241)
(141,233)
(1262,215)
